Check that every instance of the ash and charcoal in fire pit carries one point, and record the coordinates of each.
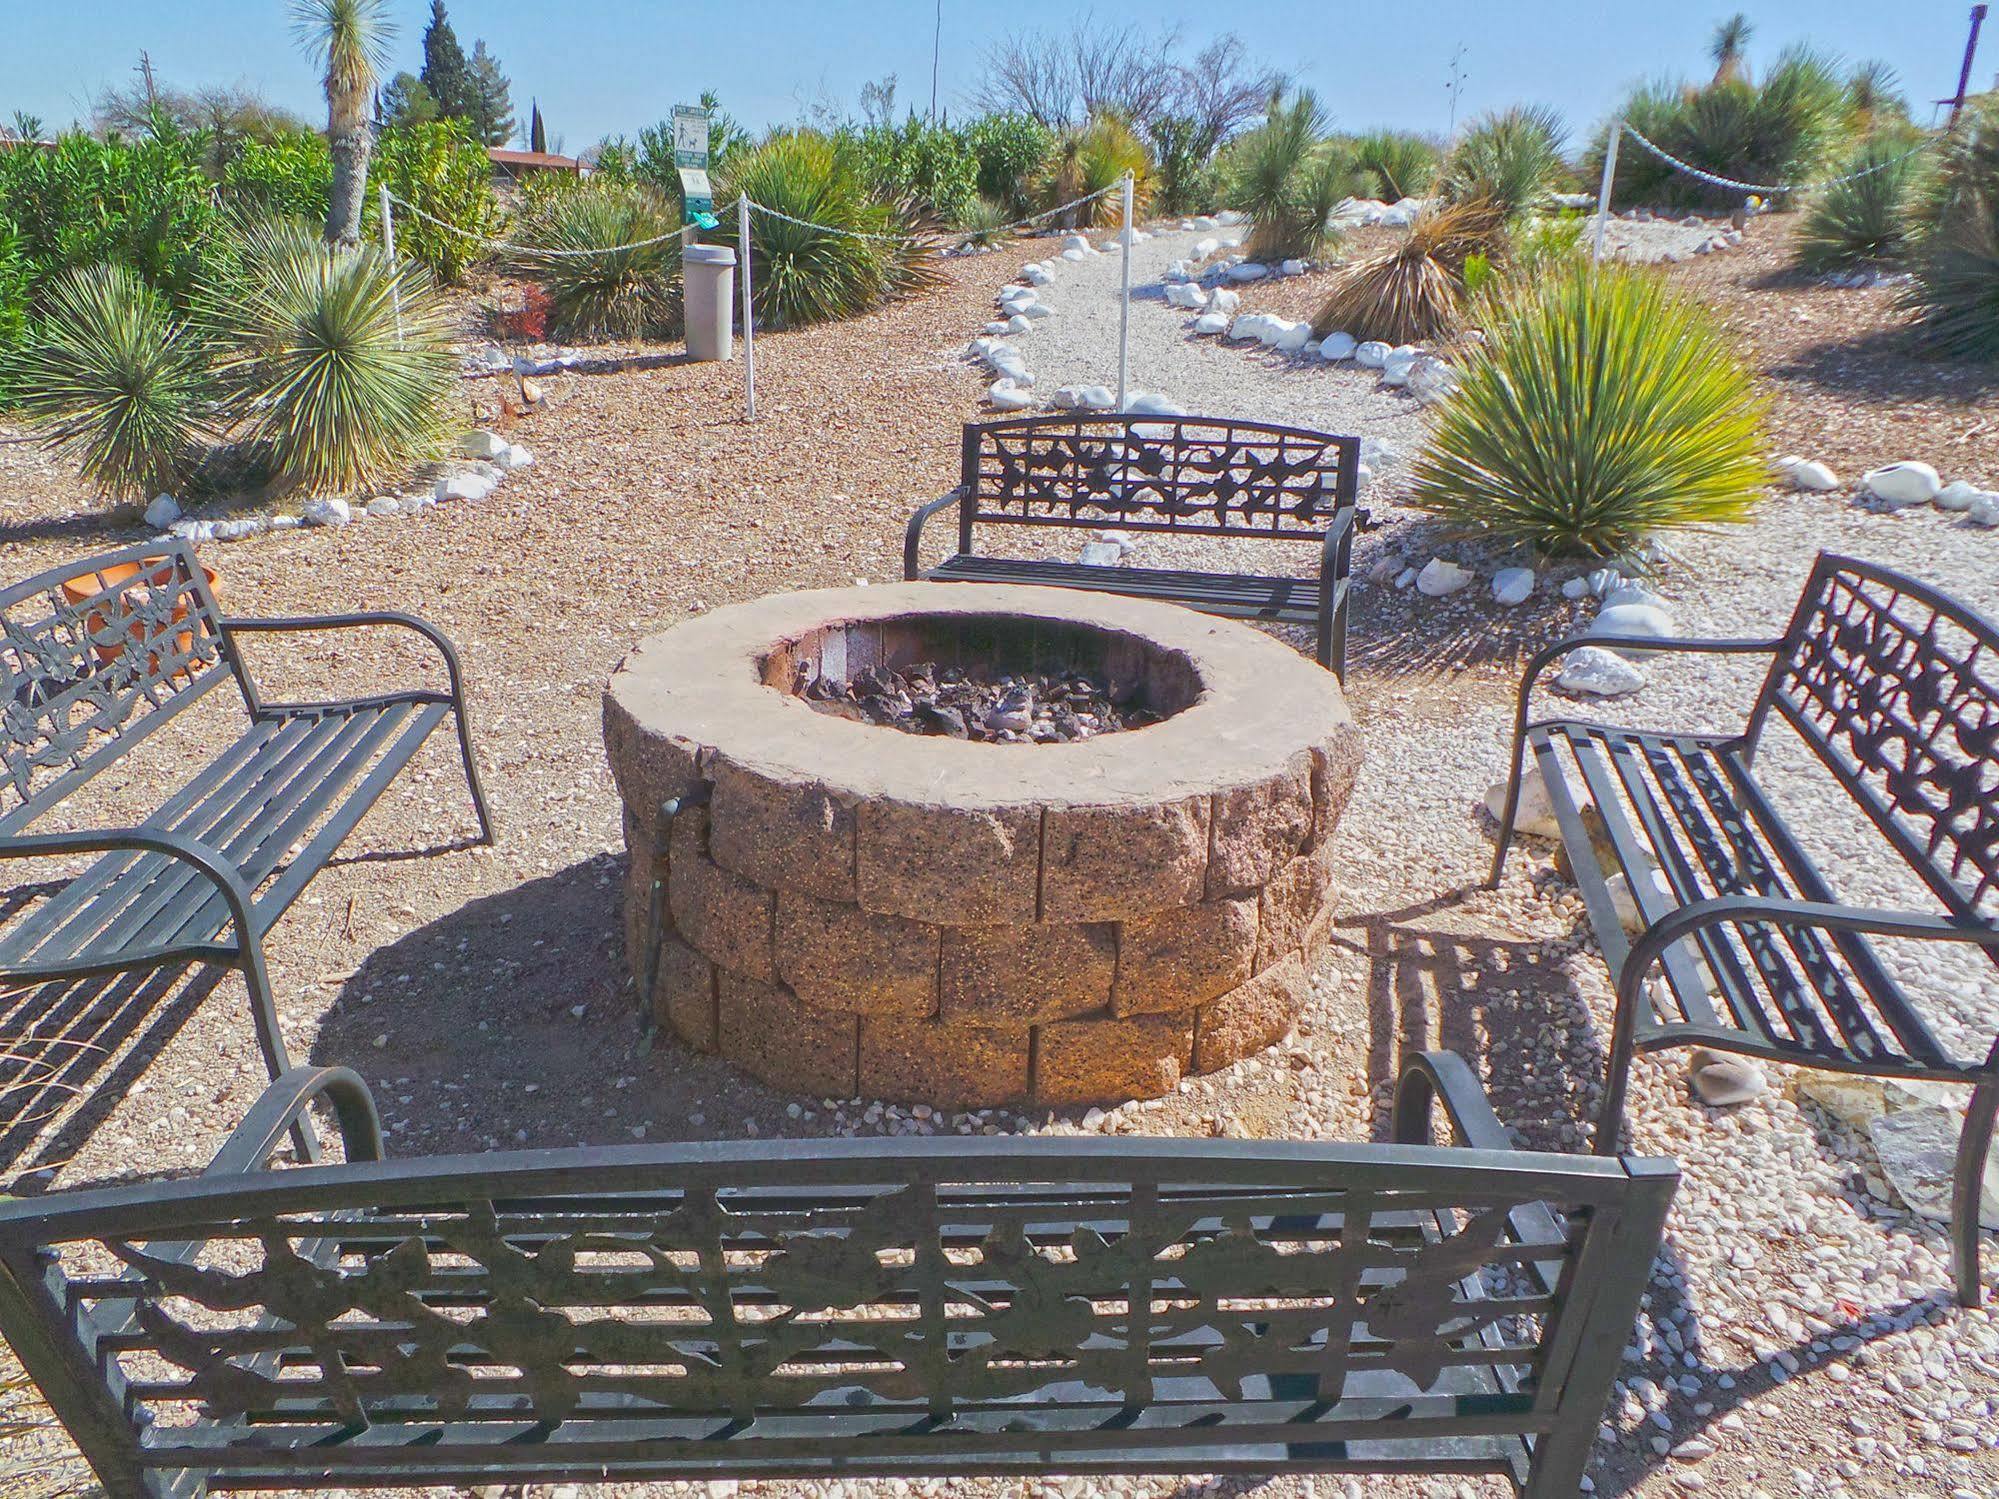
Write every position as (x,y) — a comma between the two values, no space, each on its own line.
(995,708)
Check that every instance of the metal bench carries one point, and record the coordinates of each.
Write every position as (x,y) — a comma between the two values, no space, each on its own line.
(90,671)
(828,1309)
(1895,688)
(1177,476)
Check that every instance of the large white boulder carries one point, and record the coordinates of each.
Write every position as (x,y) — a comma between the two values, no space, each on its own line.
(1371,355)
(1292,268)
(1293,338)
(1249,325)
(479,443)
(1599,673)
(163,512)
(1643,621)
(1034,275)
(1147,403)
(1077,254)
(1430,379)
(1036,310)
(516,456)
(1096,397)
(1078,242)
(1006,396)
(1225,301)
(472,486)
(1211,322)
(1203,248)
(1812,477)
(1956,495)
(1535,814)
(1440,578)
(326,513)
(1396,367)
(1984,511)
(1512,585)
(1186,294)
(1905,483)
(1918,1150)
(1338,346)
(1206,221)
(1249,270)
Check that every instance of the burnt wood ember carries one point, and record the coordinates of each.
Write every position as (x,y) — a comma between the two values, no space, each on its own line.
(994,708)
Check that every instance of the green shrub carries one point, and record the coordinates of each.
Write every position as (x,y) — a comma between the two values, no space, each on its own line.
(1090,160)
(440,168)
(1011,151)
(1512,159)
(1415,290)
(14,287)
(336,385)
(632,292)
(1395,164)
(1779,131)
(1546,243)
(289,174)
(144,204)
(807,275)
(984,223)
(111,379)
(1956,266)
(931,166)
(1189,178)
(1287,180)
(1865,220)
(1600,410)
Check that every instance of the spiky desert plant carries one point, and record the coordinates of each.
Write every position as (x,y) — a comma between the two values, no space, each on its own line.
(335,385)
(114,381)
(350,40)
(983,222)
(1863,220)
(1287,179)
(1726,47)
(1874,98)
(1091,160)
(1398,164)
(1414,290)
(1600,410)
(805,273)
(1512,158)
(608,255)
(1955,293)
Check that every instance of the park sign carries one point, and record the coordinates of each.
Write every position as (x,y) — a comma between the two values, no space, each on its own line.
(690,159)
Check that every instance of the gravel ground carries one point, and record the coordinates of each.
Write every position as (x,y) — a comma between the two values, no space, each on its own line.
(1797,1324)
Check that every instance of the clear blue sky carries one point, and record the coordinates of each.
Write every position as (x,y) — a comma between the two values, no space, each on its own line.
(601,66)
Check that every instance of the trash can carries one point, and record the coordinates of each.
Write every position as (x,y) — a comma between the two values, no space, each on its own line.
(708,279)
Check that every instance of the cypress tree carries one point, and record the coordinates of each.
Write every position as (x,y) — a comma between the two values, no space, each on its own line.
(446,74)
(492,111)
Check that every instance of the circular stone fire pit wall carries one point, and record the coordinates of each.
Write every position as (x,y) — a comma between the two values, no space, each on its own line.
(845,910)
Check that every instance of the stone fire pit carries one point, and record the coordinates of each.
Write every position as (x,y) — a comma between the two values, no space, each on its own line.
(845,910)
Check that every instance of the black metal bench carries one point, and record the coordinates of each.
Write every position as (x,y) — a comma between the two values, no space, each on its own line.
(837,1308)
(1895,688)
(1178,476)
(89,672)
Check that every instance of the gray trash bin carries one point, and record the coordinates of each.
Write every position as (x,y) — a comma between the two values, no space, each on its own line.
(708,277)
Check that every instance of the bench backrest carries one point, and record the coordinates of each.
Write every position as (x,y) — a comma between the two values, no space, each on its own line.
(94,656)
(1896,687)
(835,1308)
(1200,476)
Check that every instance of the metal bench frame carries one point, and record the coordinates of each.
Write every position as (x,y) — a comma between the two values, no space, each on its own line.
(84,682)
(837,1308)
(1895,688)
(1174,476)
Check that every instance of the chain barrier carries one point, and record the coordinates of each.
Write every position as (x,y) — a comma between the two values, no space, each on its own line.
(1763,189)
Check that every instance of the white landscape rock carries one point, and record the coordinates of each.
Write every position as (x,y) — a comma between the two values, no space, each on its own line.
(1440,578)
(1338,346)
(1812,477)
(1096,397)
(326,513)
(997,330)
(1035,310)
(1249,270)
(1632,593)
(1078,242)
(1292,338)
(471,486)
(1211,322)
(1642,620)
(1984,511)
(1957,495)
(1512,585)
(1291,268)
(1203,248)
(1658,893)
(1918,1149)
(516,456)
(479,443)
(1597,672)
(1722,1079)
(1372,355)
(1430,379)
(1077,254)
(1148,403)
(163,512)
(1006,396)
(1905,483)
(1250,325)
(1536,813)
(1034,275)
(384,507)
(1226,302)
(1186,295)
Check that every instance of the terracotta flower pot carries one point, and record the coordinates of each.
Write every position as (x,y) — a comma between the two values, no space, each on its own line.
(100,626)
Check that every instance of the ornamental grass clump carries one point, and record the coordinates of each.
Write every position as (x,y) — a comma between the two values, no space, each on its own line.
(1416,290)
(1865,219)
(335,386)
(1511,159)
(608,256)
(1287,179)
(1395,164)
(1956,289)
(1600,411)
(114,381)
(1092,160)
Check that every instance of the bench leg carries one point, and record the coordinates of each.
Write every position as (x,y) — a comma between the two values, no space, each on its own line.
(1610,1116)
(472,770)
(1972,1146)
(271,1039)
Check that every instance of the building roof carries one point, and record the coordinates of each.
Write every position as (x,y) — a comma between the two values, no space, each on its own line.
(532,161)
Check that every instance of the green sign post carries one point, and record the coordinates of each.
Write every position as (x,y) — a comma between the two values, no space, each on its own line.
(690,159)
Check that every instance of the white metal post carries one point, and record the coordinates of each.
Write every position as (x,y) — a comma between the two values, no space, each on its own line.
(1124,311)
(1603,191)
(749,329)
(389,249)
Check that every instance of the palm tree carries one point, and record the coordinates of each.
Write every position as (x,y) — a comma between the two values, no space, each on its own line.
(1730,38)
(350,37)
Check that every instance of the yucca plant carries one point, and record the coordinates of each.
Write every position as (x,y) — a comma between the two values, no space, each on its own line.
(805,274)
(983,222)
(1512,159)
(1287,179)
(335,384)
(608,255)
(1416,289)
(1600,410)
(1092,159)
(1865,219)
(1395,163)
(1956,289)
(111,379)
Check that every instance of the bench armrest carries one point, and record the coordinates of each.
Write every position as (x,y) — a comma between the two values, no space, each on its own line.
(299,624)
(1338,534)
(165,841)
(1445,1077)
(911,568)
(271,1117)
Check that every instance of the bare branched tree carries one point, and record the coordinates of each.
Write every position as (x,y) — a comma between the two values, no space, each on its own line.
(878,101)
(1222,90)
(1063,80)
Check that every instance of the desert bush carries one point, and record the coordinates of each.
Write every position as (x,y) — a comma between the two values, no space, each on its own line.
(930,165)
(1956,288)
(113,380)
(1600,410)
(14,273)
(984,223)
(144,204)
(334,385)
(1010,150)
(1189,178)
(441,169)
(1091,159)
(289,174)
(1546,243)
(630,290)
(1512,158)
(1865,220)
(1287,179)
(1415,290)
(1395,164)
(811,275)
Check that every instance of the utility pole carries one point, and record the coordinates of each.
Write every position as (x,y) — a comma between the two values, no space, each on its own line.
(1964,74)
(937,51)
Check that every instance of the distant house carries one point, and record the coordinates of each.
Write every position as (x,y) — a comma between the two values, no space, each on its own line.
(512,166)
